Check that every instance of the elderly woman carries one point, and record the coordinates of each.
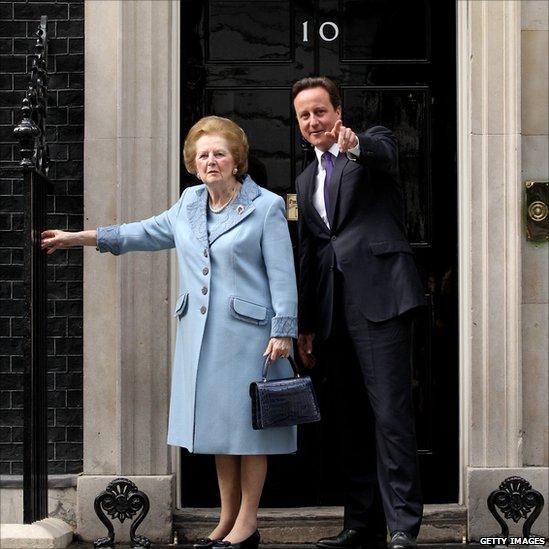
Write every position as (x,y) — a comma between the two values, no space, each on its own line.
(237,304)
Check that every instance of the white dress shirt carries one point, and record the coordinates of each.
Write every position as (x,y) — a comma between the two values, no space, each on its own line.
(318,194)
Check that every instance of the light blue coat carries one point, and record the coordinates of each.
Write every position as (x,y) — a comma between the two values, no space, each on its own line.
(237,289)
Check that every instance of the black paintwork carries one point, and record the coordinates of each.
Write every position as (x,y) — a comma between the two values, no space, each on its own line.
(395,61)
(34,164)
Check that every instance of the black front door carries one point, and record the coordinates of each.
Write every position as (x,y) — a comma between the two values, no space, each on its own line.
(395,62)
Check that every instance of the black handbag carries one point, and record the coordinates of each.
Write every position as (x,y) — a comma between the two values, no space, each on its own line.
(283,402)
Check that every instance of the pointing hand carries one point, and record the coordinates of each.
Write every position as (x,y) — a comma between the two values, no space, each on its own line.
(344,137)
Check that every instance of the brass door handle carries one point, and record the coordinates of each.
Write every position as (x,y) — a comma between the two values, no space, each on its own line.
(537,210)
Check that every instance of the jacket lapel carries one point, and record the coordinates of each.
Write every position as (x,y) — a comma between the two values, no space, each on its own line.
(240,209)
(309,177)
(196,213)
(335,184)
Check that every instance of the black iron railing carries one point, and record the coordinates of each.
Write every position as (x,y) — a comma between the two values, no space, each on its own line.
(31,133)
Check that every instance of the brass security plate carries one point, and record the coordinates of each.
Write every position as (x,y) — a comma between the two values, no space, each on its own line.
(537,210)
(291,207)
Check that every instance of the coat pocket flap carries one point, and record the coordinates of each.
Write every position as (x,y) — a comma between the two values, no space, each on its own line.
(389,247)
(181,304)
(251,310)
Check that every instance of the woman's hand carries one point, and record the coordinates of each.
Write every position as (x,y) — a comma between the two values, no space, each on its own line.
(54,239)
(278,347)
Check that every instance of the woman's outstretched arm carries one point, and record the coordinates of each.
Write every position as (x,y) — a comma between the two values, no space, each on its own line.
(54,239)
(154,233)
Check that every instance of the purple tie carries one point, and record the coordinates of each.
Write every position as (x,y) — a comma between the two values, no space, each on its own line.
(328,161)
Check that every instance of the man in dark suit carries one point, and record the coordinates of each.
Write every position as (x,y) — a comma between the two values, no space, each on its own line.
(358,285)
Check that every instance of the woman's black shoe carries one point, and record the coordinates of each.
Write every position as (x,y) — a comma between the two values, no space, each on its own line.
(249,543)
(203,543)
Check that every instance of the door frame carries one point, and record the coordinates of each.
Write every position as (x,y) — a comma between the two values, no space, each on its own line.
(175,145)
(489,267)
(490,239)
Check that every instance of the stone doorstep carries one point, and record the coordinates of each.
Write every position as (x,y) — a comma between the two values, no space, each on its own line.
(49,533)
(441,524)
(82,545)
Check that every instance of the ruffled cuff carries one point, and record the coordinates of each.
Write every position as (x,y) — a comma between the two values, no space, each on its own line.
(284,326)
(108,239)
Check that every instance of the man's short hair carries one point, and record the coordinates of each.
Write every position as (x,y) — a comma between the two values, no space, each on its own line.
(318,82)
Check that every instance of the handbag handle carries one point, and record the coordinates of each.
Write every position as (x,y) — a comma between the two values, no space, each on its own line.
(268,362)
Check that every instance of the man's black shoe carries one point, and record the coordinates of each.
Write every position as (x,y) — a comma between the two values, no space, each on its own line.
(353,539)
(402,540)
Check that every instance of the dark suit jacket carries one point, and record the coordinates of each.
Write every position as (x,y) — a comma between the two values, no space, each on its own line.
(366,242)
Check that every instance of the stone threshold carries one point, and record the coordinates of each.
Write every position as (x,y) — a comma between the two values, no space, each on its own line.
(84,545)
(48,533)
(302,525)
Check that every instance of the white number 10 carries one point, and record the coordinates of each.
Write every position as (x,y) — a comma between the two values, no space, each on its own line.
(321,31)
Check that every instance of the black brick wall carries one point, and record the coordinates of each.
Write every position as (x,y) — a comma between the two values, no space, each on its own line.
(18,23)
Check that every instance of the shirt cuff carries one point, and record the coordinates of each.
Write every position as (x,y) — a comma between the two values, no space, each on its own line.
(108,239)
(354,153)
(284,326)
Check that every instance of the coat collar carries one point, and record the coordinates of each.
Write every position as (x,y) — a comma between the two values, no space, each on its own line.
(308,176)
(334,149)
(241,207)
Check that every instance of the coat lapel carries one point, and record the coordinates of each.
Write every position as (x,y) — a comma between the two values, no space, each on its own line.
(309,176)
(240,209)
(196,213)
(335,184)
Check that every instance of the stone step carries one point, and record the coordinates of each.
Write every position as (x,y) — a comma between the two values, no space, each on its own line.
(301,525)
(84,545)
(312,546)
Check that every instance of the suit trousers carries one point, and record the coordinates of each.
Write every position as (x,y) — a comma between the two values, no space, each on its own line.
(368,364)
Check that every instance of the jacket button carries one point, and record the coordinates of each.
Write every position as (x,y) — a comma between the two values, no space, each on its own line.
(331,268)
(203,309)
(205,252)
(204,290)
(205,271)
(334,237)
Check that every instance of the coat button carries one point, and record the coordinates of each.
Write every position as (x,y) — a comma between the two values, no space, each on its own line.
(204,290)
(331,268)
(334,237)
(205,271)
(205,252)
(203,309)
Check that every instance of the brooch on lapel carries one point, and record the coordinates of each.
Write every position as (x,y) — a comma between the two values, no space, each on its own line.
(240,209)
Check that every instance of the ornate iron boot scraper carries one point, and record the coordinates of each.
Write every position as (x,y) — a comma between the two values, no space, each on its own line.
(516,499)
(121,500)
